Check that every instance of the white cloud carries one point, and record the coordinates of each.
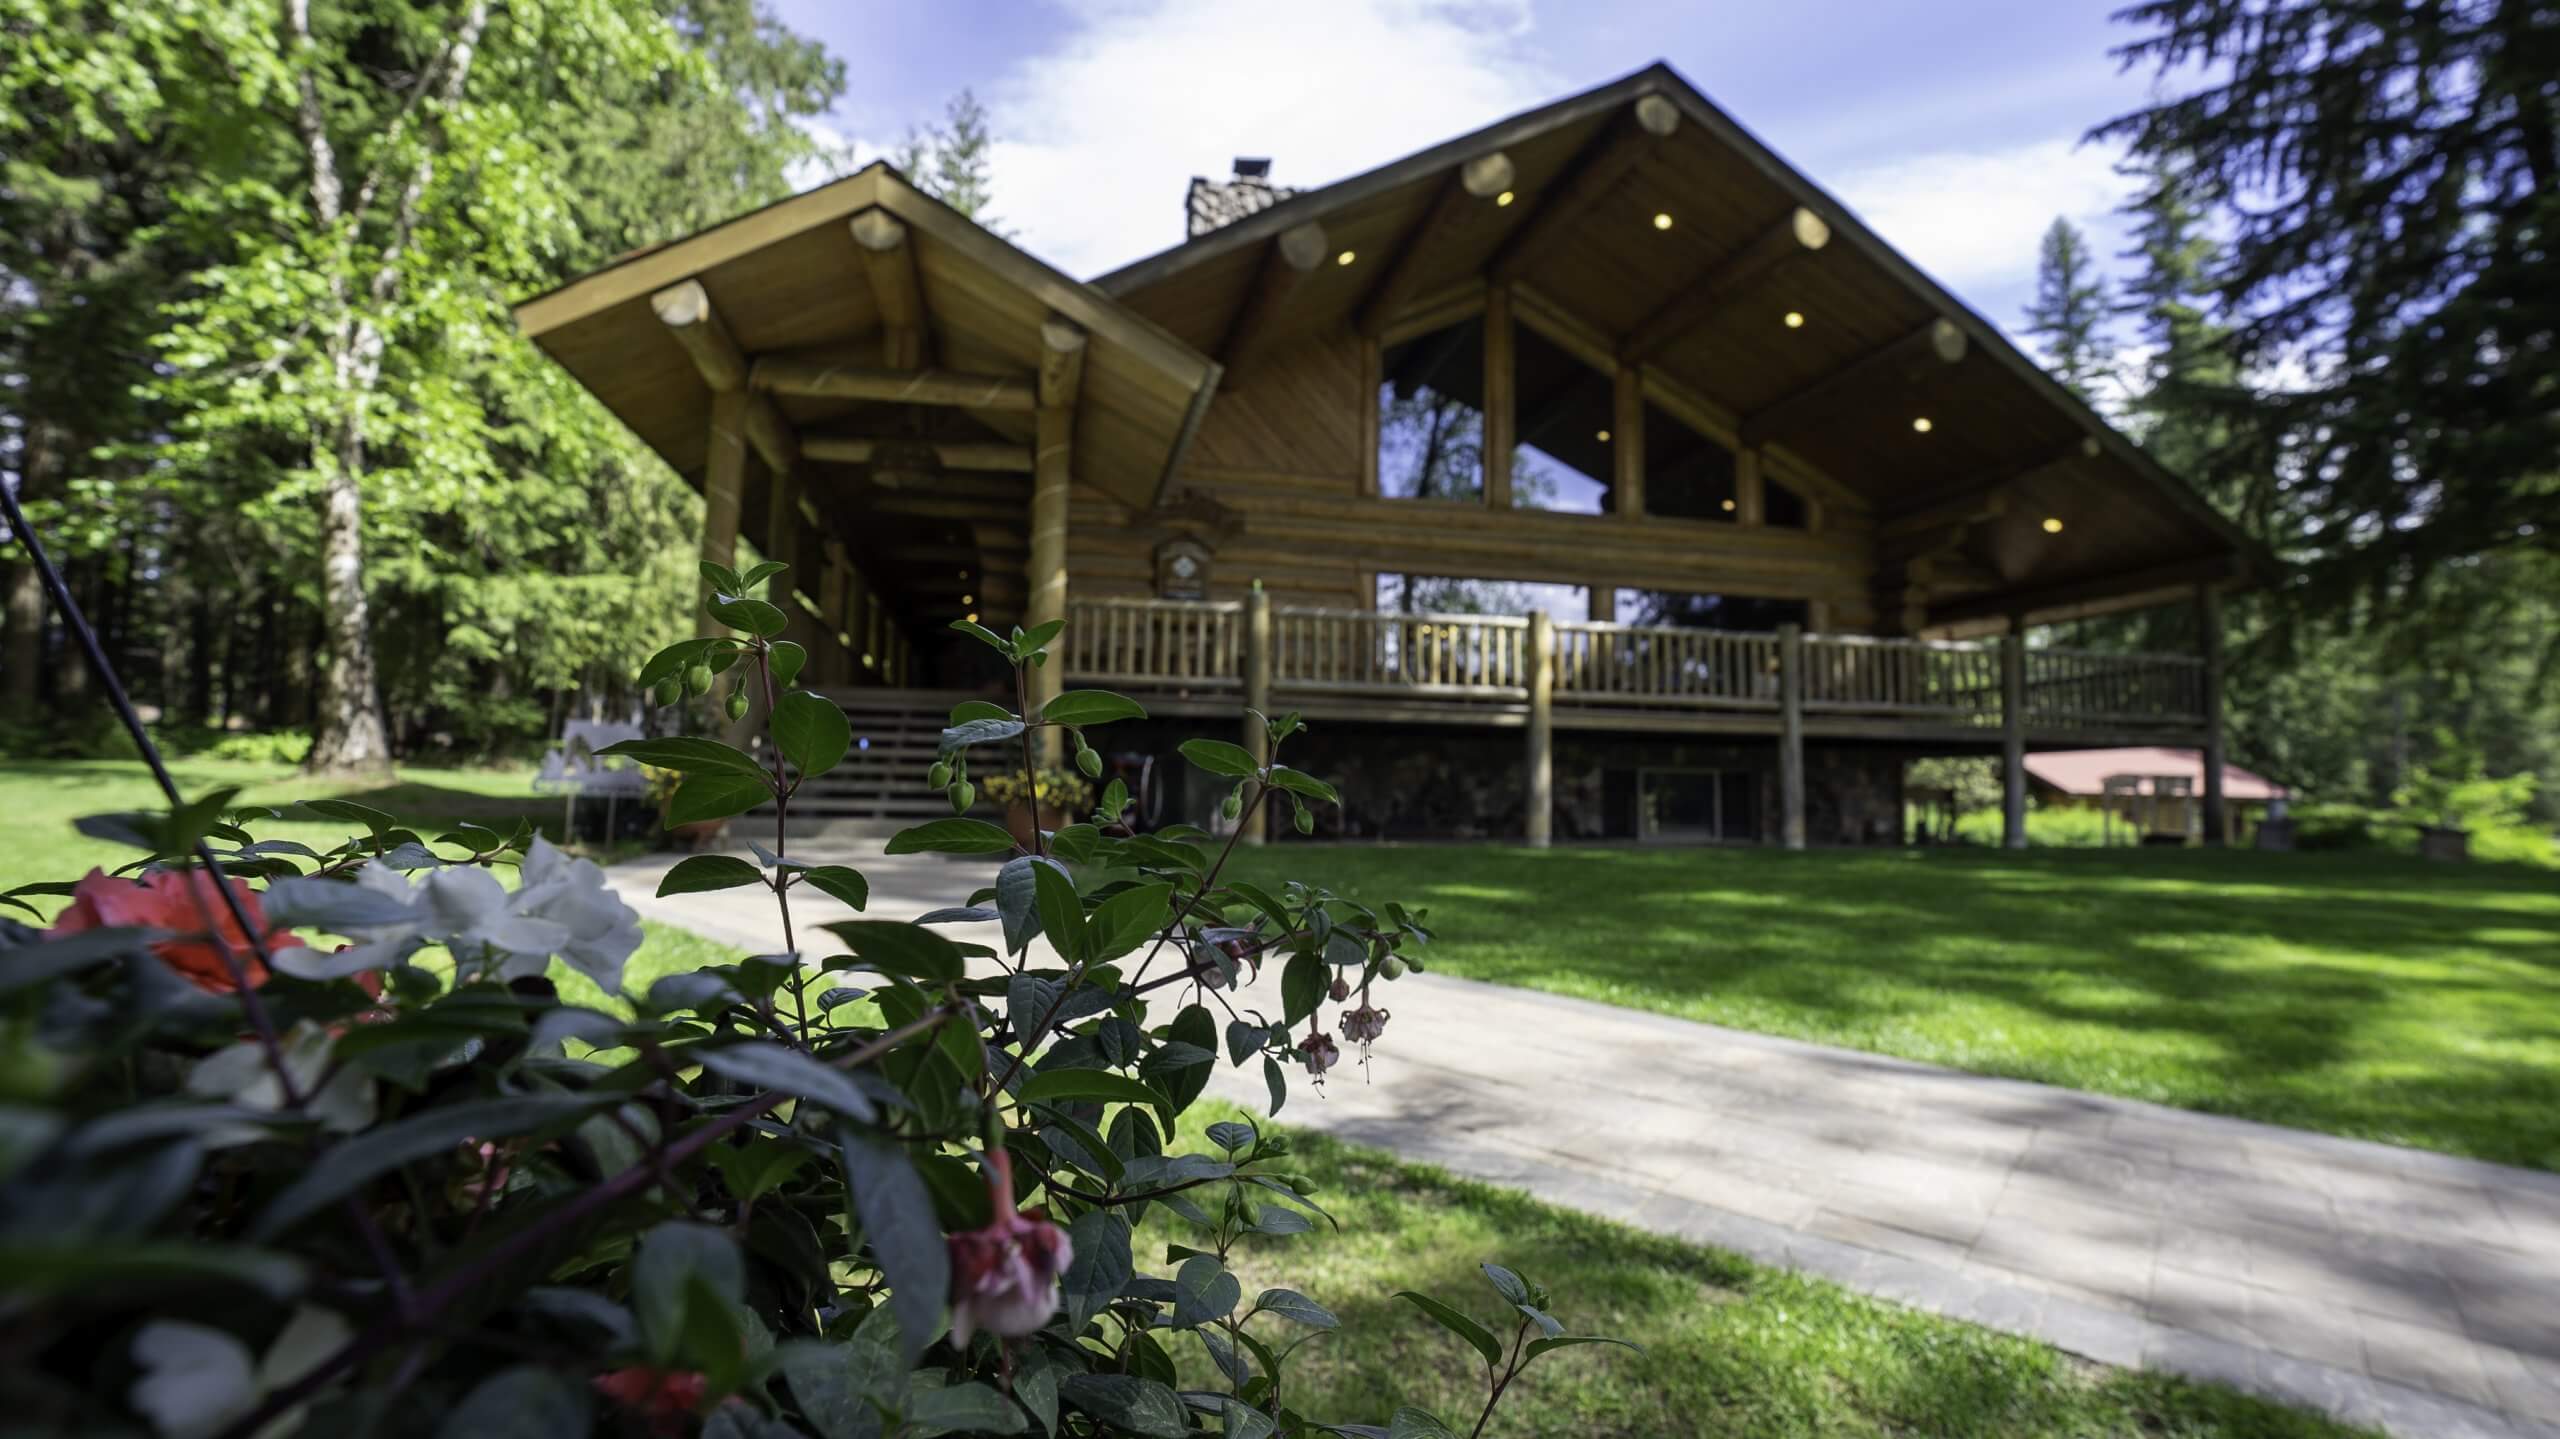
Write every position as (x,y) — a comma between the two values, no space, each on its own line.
(837,154)
(1973,218)
(1098,138)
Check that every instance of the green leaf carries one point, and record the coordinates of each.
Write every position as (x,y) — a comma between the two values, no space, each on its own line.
(1090,707)
(950,836)
(1512,1288)
(1458,1324)
(1567,1341)
(1219,757)
(526,1402)
(1302,987)
(811,731)
(972,1407)
(1062,1086)
(1203,1292)
(1409,1422)
(702,872)
(344,1168)
(672,1258)
(722,579)
(894,946)
(1061,912)
(374,820)
(1124,921)
(1197,1027)
(688,754)
(980,731)
(840,1388)
(754,616)
(1291,1305)
(674,660)
(1037,636)
(772,1066)
(1017,900)
(1304,784)
(787,660)
(840,882)
(86,1269)
(1140,1406)
(985,636)
(1101,1267)
(762,571)
(716,796)
(967,710)
(896,1210)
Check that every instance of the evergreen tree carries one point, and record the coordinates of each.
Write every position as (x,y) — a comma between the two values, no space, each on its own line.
(953,161)
(2389,179)
(2069,313)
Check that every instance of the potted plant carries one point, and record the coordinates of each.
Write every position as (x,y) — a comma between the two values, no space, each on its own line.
(1062,797)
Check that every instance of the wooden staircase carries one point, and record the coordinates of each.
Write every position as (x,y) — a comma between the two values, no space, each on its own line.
(881,783)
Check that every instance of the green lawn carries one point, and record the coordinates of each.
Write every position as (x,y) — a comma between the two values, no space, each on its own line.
(2367,995)
(1731,1348)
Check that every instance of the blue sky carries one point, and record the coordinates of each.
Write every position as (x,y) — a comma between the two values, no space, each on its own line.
(1951,126)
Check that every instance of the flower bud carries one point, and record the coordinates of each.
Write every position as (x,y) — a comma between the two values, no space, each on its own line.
(697,680)
(1232,806)
(737,704)
(1306,820)
(963,794)
(1341,989)
(939,776)
(1391,968)
(1090,762)
(669,690)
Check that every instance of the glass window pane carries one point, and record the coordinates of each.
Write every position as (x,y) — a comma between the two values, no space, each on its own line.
(1431,415)
(1563,458)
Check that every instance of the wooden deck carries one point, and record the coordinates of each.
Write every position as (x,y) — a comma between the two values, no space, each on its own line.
(1200,658)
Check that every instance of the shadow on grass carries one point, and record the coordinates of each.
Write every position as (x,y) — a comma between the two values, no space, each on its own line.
(2367,995)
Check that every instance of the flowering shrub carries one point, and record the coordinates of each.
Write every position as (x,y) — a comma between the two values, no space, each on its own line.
(317,1147)
(1060,789)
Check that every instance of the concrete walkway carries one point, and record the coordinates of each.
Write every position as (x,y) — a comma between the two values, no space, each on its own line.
(2408,1291)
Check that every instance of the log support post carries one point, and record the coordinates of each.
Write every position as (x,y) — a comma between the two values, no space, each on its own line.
(1791,736)
(1501,423)
(2209,643)
(1257,697)
(724,489)
(1750,490)
(2013,737)
(1539,828)
(1626,443)
(1052,474)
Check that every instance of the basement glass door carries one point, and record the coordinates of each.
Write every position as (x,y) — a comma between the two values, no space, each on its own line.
(1696,805)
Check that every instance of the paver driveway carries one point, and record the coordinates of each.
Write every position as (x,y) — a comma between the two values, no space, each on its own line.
(2415,1292)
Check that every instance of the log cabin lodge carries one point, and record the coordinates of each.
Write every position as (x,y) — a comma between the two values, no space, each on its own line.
(1593,475)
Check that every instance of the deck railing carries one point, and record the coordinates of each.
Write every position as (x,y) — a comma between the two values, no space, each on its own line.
(1493,660)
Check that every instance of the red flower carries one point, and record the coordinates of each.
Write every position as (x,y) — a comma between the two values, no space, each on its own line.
(663,1397)
(1004,1278)
(176,901)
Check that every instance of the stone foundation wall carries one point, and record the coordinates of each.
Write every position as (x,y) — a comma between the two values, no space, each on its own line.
(1410,782)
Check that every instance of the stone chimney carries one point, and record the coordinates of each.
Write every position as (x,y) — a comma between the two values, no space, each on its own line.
(1215,204)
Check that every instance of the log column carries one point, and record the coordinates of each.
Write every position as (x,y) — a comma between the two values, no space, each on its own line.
(1626,443)
(724,488)
(2209,635)
(1501,424)
(1257,697)
(1052,471)
(1791,736)
(1541,798)
(2013,737)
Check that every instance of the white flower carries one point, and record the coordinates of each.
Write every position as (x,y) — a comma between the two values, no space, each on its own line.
(241,1075)
(601,931)
(197,1381)
(563,907)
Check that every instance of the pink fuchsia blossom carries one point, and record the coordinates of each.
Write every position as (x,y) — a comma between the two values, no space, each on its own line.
(1363,1025)
(1004,1278)
(1320,1052)
(178,901)
(663,1399)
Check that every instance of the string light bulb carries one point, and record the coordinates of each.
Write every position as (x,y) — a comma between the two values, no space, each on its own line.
(1346,257)
(1604,437)
(1505,198)
(1662,219)
(2052,526)
(1728,504)
(1795,320)
(973,617)
(1922,425)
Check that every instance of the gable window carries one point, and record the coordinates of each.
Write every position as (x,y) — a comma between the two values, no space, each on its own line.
(1563,459)
(1691,476)
(1431,415)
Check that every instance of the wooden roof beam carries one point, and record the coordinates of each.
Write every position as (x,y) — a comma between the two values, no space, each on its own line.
(940,504)
(2097,589)
(1941,342)
(1802,233)
(889,262)
(830,380)
(1461,201)
(2000,482)
(1293,255)
(1591,175)
(685,309)
(950,454)
(1062,347)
